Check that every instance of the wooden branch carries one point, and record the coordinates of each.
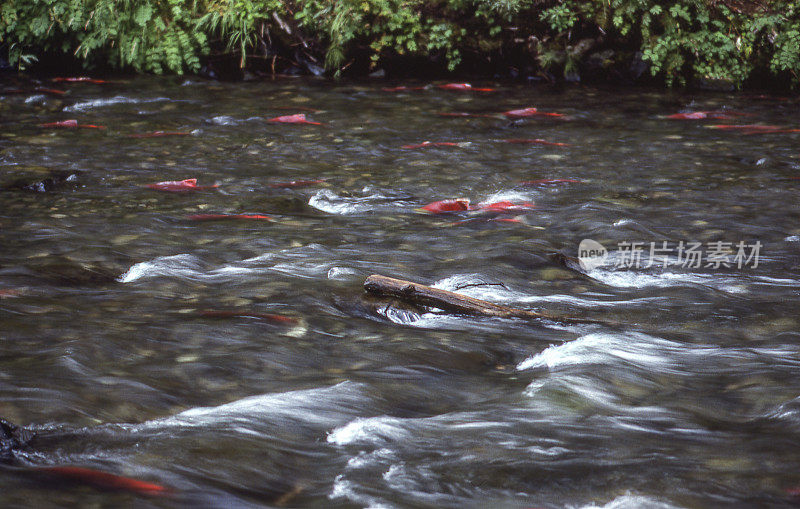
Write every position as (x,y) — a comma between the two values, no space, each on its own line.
(284,25)
(418,294)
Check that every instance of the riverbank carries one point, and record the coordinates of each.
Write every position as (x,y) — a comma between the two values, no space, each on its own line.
(732,44)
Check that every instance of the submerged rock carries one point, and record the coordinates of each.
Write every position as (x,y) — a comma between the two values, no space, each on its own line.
(62,271)
(12,437)
(568,262)
(54,180)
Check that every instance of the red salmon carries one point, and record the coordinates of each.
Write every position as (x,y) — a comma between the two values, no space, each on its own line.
(530,112)
(460,115)
(402,89)
(72,124)
(104,480)
(700,115)
(746,127)
(505,206)
(464,87)
(446,206)
(79,79)
(179,186)
(63,123)
(216,217)
(50,91)
(299,118)
(159,134)
(431,144)
(536,141)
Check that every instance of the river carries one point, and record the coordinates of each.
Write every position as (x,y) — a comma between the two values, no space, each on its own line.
(238,362)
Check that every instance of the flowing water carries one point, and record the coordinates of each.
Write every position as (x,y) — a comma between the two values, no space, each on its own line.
(139,341)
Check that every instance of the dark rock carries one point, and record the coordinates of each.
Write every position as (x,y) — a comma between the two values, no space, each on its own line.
(314,69)
(55,180)
(289,205)
(568,262)
(309,64)
(715,84)
(12,437)
(293,71)
(599,60)
(61,271)
(572,76)
(208,72)
(638,66)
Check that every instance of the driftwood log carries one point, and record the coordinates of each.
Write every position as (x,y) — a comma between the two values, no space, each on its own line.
(415,293)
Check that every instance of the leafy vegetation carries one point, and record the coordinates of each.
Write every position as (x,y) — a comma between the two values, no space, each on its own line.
(151,36)
(679,40)
(686,39)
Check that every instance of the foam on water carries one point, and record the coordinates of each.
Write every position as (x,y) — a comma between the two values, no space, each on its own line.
(631,502)
(368,200)
(669,271)
(440,321)
(227,120)
(632,279)
(223,120)
(650,353)
(366,459)
(99,103)
(399,478)
(404,316)
(326,406)
(332,203)
(299,253)
(309,269)
(180,265)
(342,488)
(342,273)
(477,286)
(311,261)
(601,347)
(507,195)
(372,430)
(774,281)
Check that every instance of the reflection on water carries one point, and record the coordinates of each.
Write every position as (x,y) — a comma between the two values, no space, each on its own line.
(239,363)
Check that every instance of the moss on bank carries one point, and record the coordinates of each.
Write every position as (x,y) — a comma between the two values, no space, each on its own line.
(676,42)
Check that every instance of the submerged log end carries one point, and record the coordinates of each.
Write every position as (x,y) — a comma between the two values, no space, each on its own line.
(371,284)
(382,284)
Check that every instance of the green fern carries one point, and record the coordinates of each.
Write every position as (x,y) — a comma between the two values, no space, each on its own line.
(681,40)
